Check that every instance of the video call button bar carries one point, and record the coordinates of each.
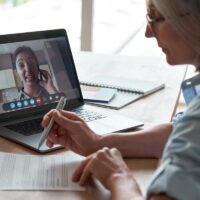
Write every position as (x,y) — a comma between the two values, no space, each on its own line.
(31,102)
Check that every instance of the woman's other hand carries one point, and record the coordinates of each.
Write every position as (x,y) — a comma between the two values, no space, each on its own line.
(70,131)
(109,168)
(105,164)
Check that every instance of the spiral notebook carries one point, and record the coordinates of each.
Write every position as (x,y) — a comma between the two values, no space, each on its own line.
(128,90)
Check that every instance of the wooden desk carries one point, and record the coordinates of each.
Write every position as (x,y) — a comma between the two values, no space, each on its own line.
(156,108)
(153,109)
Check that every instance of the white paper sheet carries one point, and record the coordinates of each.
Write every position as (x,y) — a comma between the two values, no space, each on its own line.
(30,172)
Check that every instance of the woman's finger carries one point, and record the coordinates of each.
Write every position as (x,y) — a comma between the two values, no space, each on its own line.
(79,170)
(86,174)
(49,143)
(71,115)
(64,122)
(53,136)
(47,117)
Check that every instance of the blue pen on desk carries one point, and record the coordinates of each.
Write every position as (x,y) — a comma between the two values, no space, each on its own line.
(45,132)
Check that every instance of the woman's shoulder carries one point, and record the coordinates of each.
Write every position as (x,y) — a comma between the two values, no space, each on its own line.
(194,107)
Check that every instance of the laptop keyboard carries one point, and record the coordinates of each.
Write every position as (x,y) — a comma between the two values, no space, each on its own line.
(88,115)
(27,128)
(33,126)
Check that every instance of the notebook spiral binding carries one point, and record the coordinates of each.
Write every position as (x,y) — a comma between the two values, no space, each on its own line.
(119,88)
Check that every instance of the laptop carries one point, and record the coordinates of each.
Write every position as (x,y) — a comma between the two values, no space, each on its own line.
(21,112)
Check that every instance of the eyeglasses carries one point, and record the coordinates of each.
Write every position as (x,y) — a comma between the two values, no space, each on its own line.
(152,21)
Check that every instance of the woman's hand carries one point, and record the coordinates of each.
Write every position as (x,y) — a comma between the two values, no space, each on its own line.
(46,82)
(105,164)
(70,131)
(109,168)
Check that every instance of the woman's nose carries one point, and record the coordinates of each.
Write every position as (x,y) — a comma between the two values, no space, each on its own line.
(27,67)
(149,32)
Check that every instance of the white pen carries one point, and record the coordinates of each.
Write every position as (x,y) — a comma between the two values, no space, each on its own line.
(45,132)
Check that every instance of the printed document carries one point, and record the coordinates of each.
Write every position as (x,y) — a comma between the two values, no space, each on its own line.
(30,172)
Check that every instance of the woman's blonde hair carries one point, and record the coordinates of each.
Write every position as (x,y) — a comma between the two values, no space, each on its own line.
(184,16)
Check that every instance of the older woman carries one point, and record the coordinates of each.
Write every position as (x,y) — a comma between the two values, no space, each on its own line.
(176,27)
(36,82)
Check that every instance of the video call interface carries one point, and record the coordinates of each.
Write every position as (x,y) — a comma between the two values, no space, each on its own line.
(34,73)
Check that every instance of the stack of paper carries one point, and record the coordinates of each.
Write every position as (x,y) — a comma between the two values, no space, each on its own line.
(29,172)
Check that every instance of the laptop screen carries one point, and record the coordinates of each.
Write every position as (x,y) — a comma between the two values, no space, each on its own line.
(36,69)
